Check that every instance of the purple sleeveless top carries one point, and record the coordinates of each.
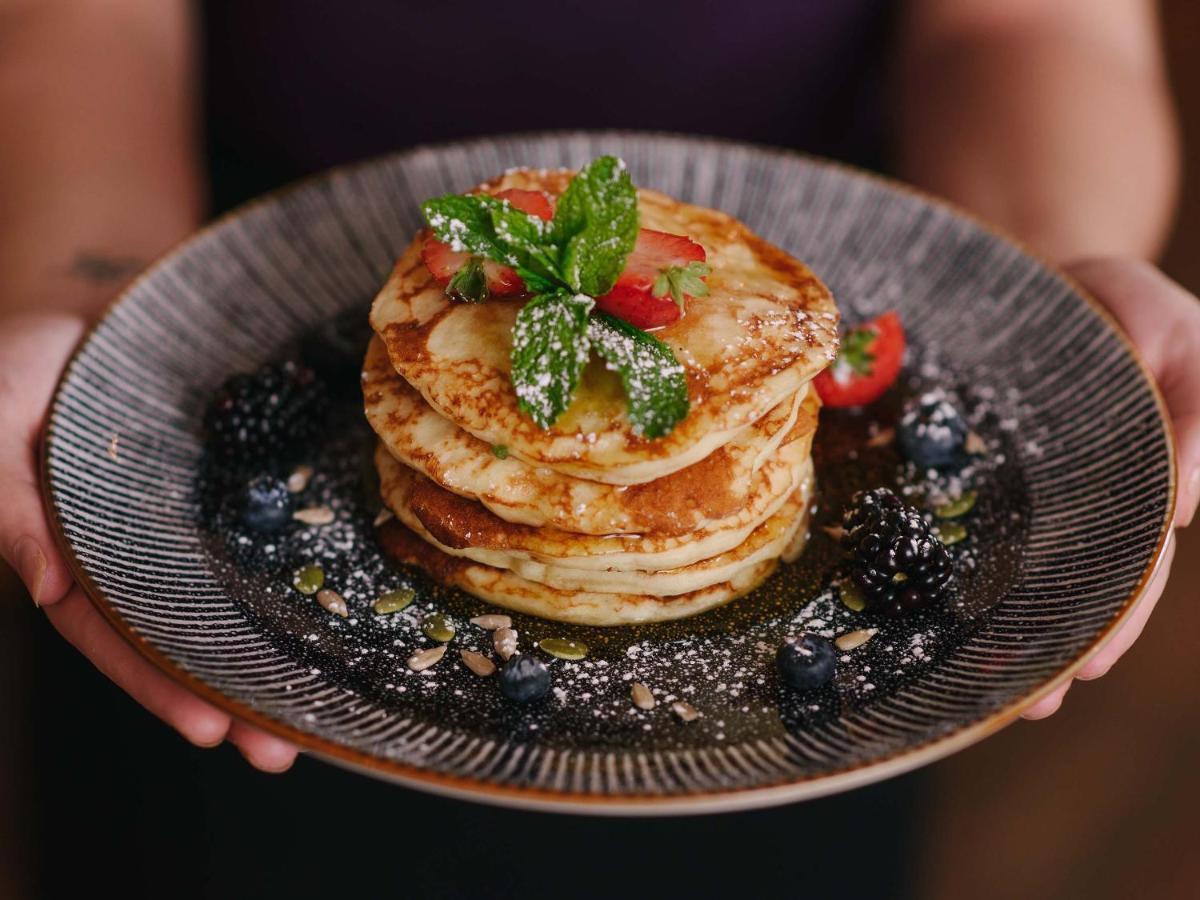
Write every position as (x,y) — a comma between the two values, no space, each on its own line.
(295,86)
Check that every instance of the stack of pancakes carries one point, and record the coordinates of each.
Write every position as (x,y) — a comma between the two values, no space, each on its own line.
(587,521)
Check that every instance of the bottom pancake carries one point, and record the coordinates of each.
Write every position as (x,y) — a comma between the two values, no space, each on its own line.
(504,588)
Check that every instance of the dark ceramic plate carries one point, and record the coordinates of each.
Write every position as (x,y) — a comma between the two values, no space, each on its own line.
(1075,492)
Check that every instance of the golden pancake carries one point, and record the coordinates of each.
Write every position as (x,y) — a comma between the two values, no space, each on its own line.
(465,525)
(680,503)
(504,588)
(768,541)
(767,326)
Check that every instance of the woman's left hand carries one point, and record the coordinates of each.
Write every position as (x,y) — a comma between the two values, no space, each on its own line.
(1163,321)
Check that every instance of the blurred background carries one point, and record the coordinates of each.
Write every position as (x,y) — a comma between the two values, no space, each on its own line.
(1099,801)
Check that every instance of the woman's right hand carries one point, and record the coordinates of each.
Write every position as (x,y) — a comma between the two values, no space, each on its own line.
(34,348)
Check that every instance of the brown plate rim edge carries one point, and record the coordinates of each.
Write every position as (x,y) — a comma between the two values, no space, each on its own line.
(735,799)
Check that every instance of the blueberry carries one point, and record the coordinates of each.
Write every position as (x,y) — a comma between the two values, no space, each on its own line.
(266,504)
(524,678)
(807,662)
(931,432)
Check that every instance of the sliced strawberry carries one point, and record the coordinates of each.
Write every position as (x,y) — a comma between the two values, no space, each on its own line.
(632,297)
(443,263)
(533,202)
(867,364)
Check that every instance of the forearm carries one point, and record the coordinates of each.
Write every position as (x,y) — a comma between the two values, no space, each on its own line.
(98,168)
(1053,134)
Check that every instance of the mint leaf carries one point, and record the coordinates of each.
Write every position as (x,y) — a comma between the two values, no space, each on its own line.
(469,283)
(653,378)
(464,222)
(550,348)
(596,225)
(527,239)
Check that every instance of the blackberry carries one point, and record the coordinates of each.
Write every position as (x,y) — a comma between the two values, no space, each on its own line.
(335,349)
(265,417)
(892,554)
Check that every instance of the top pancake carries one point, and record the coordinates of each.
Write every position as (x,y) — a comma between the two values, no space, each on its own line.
(767,326)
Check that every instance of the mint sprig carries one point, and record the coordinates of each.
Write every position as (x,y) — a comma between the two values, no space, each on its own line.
(565,263)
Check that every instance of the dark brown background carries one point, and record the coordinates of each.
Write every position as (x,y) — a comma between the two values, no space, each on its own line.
(1097,802)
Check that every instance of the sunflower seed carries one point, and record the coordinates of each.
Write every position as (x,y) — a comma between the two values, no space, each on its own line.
(394,601)
(956,508)
(308,579)
(477,662)
(427,658)
(299,479)
(333,602)
(852,596)
(564,649)
(642,697)
(837,532)
(685,711)
(884,437)
(382,516)
(314,515)
(975,445)
(492,622)
(505,642)
(438,628)
(852,639)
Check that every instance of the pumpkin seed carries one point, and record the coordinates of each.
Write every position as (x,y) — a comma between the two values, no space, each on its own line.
(564,649)
(299,479)
(394,601)
(333,602)
(492,622)
(642,696)
(314,515)
(505,642)
(952,533)
(884,437)
(975,445)
(477,663)
(956,508)
(685,711)
(852,596)
(852,639)
(427,658)
(308,579)
(438,628)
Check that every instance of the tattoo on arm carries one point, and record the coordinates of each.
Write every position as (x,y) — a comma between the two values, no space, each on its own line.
(102,269)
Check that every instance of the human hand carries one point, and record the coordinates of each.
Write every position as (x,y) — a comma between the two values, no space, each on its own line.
(33,351)
(1163,321)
